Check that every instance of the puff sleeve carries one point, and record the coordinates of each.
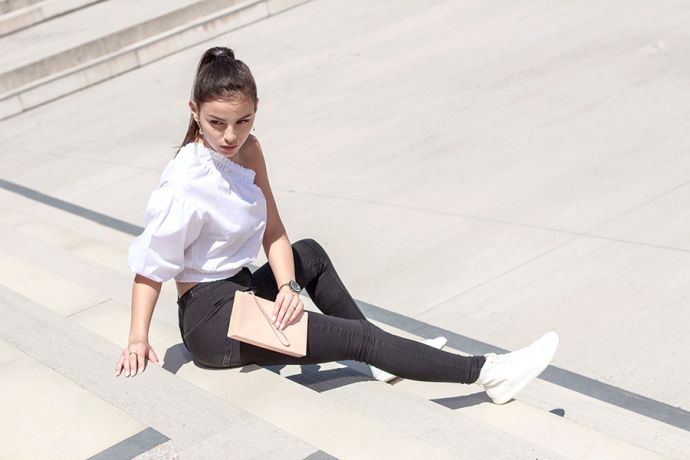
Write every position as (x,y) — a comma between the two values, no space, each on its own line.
(171,225)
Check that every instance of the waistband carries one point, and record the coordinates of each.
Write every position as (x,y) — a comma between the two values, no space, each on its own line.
(243,277)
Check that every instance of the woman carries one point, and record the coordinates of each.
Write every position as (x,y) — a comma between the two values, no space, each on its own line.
(205,222)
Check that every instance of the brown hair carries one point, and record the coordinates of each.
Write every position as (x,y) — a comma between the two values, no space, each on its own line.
(218,76)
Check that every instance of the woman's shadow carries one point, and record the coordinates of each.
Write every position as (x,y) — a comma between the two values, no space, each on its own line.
(313,376)
(176,357)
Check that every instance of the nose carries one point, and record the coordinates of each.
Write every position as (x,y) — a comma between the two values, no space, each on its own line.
(230,136)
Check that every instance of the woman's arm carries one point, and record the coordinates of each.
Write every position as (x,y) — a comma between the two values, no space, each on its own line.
(145,294)
(288,305)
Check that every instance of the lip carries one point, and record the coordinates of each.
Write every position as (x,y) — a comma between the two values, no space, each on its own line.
(228,147)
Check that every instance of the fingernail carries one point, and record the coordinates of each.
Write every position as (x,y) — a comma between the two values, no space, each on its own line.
(273,317)
(127,374)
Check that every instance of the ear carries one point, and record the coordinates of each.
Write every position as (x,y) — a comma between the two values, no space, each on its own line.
(256,106)
(195,110)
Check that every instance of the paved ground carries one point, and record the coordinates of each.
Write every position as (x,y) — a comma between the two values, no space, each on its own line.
(497,169)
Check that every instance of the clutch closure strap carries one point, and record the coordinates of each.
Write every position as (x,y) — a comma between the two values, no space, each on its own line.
(275,330)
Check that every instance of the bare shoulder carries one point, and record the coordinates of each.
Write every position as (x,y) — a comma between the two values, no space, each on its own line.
(251,154)
(252,157)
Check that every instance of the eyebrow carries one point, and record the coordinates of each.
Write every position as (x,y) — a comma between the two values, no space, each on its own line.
(222,119)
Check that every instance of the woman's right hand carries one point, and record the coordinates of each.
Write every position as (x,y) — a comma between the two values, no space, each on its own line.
(133,358)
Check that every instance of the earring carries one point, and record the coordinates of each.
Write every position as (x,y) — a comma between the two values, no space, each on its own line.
(199,126)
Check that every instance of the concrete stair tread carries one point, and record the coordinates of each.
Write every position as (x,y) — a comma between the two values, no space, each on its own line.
(31,15)
(540,425)
(304,413)
(28,85)
(128,53)
(7,6)
(319,420)
(17,210)
(181,411)
(604,424)
(25,382)
(79,27)
(361,393)
(426,390)
(109,319)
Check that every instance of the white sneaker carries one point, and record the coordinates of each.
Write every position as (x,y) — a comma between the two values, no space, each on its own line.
(383,376)
(503,376)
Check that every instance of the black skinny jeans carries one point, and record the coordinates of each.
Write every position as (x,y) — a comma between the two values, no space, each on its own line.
(340,333)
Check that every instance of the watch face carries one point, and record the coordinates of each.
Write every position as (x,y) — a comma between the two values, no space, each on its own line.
(294,286)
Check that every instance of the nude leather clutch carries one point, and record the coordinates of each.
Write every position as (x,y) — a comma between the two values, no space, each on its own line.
(250,322)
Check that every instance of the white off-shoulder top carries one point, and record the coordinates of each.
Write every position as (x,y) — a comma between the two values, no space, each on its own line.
(204,222)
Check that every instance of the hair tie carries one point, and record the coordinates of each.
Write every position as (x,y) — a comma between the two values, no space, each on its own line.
(223,54)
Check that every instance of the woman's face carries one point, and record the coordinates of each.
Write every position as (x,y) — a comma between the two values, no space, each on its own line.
(225,123)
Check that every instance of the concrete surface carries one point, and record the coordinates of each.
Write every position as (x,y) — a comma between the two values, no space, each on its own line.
(34,14)
(183,412)
(497,169)
(443,164)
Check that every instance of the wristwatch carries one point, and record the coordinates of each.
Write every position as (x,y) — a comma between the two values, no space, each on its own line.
(294,287)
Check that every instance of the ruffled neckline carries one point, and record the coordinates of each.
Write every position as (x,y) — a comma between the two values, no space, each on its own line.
(223,164)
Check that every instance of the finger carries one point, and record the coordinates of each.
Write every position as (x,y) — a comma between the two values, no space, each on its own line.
(141,361)
(132,361)
(277,305)
(296,314)
(290,305)
(285,302)
(293,312)
(134,364)
(125,363)
(288,318)
(152,356)
(119,365)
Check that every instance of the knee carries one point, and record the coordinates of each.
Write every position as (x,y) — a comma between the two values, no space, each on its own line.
(313,247)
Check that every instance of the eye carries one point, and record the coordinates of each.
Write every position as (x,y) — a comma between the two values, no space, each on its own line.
(243,122)
(216,122)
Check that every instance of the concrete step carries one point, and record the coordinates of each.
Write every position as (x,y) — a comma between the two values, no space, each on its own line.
(12,5)
(28,81)
(53,400)
(567,437)
(69,233)
(38,343)
(77,37)
(330,425)
(547,398)
(547,425)
(284,404)
(36,13)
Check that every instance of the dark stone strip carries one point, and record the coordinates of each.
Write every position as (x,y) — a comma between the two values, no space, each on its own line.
(320,455)
(94,216)
(633,402)
(134,445)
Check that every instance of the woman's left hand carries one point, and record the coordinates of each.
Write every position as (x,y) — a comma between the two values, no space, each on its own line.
(287,309)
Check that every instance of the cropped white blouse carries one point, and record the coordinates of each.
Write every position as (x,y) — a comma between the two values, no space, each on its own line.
(204,222)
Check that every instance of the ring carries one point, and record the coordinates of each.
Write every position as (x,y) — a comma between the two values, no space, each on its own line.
(132,353)
(290,306)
